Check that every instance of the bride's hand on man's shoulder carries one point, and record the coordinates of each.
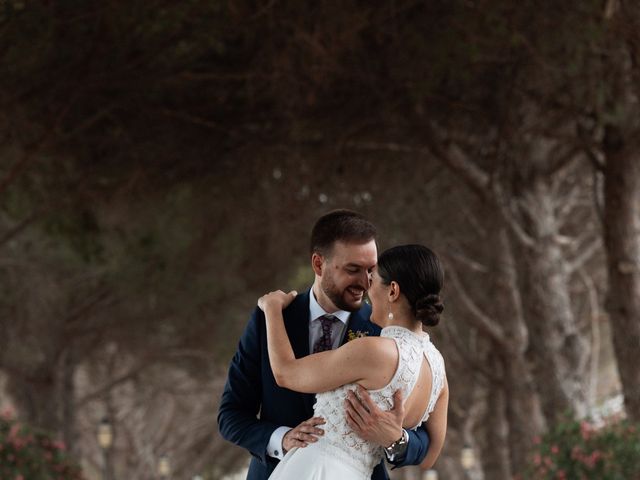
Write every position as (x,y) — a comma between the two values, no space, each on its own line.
(277,299)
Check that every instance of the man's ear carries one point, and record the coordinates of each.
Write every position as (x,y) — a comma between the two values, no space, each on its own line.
(317,263)
(394,291)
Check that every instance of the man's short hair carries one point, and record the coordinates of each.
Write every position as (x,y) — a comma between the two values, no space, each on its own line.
(340,225)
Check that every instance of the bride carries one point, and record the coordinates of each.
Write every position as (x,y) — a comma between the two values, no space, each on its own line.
(404,295)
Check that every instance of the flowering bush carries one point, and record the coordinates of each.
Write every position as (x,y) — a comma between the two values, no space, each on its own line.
(578,451)
(27,454)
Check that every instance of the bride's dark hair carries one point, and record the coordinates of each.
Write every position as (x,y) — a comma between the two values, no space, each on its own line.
(420,275)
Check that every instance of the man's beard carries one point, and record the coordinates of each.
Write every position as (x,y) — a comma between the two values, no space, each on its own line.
(337,297)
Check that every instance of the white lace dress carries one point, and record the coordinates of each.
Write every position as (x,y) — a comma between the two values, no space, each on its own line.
(340,453)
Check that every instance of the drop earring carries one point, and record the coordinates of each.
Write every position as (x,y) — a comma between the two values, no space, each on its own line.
(390,316)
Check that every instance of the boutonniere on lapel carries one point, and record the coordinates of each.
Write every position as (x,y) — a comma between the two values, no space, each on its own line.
(351,335)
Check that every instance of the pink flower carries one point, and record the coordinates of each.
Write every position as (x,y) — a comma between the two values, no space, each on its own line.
(561,475)
(19,477)
(59,445)
(13,432)
(555,449)
(537,440)
(7,413)
(585,430)
(589,461)
(576,453)
(536,459)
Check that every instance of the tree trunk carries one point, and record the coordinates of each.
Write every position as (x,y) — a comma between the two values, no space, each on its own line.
(522,408)
(523,412)
(622,241)
(558,346)
(35,396)
(495,449)
(67,399)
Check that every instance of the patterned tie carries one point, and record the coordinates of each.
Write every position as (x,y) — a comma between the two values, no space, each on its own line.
(324,342)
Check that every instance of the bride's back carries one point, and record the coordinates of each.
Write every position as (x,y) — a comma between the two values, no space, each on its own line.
(418,401)
(418,386)
(420,381)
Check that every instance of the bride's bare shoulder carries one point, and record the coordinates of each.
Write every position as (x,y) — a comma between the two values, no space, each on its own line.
(378,348)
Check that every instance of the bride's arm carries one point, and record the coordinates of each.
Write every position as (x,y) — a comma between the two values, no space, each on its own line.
(437,427)
(353,362)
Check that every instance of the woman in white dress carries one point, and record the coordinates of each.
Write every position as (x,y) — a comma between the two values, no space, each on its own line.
(404,296)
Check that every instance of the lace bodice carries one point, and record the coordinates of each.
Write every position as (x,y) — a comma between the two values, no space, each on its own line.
(330,405)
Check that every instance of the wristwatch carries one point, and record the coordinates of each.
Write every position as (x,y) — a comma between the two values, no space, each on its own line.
(398,448)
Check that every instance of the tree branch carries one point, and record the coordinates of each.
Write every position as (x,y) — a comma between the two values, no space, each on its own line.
(563,164)
(585,255)
(18,229)
(481,321)
(509,219)
(567,204)
(452,156)
(463,352)
(468,262)
(102,390)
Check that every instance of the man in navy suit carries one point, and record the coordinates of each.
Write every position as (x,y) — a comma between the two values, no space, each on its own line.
(269,420)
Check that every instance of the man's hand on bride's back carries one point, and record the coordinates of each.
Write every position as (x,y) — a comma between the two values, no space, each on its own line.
(277,300)
(371,423)
(304,434)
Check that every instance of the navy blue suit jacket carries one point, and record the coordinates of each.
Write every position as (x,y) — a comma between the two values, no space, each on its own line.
(253,405)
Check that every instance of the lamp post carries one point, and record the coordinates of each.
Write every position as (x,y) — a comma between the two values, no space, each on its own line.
(163,467)
(105,440)
(467,460)
(430,475)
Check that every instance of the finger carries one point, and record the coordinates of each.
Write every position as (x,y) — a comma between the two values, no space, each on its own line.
(314,421)
(292,293)
(311,430)
(357,405)
(365,399)
(292,437)
(398,404)
(350,405)
(353,424)
(352,411)
(301,436)
(291,444)
(305,437)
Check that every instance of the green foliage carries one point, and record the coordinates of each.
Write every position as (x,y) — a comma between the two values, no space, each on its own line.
(576,450)
(29,454)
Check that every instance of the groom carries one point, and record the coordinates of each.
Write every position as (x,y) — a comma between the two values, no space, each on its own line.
(269,420)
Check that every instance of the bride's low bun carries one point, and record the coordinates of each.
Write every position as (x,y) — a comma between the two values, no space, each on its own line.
(428,310)
(420,276)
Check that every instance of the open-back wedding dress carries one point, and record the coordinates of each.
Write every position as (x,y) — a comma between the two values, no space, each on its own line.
(340,453)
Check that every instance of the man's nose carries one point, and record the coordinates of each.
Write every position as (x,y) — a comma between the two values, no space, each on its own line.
(365,280)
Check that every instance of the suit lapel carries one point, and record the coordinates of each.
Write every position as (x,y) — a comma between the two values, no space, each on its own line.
(359,323)
(296,320)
